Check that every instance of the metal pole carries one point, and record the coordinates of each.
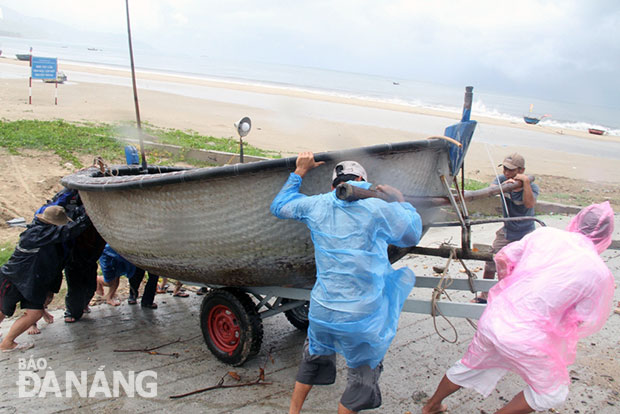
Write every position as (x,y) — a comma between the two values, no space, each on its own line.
(241,150)
(469,95)
(30,81)
(135,90)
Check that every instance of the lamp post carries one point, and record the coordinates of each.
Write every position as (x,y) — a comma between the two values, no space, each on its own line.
(243,128)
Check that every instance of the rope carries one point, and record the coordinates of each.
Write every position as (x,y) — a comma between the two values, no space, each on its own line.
(103,168)
(486,146)
(444,282)
(440,289)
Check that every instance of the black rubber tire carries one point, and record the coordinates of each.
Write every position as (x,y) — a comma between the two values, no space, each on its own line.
(238,313)
(298,317)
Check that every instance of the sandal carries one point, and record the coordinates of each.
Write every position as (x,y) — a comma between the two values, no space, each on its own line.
(479,300)
(181,295)
(151,306)
(163,289)
(132,301)
(69,318)
(201,291)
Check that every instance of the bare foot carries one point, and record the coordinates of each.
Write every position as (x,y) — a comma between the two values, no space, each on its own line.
(33,330)
(48,317)
(440,408)
(113,302)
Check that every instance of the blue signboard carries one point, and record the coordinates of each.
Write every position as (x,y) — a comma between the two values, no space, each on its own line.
(44,67)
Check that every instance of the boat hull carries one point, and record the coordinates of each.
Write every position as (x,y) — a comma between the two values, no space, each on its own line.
(213,226)
(21,56)
(531,120)
(596,131)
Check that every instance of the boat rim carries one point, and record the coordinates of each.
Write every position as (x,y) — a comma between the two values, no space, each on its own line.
(127,177)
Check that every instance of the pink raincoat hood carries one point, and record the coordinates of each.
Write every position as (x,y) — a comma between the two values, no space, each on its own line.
(596,222)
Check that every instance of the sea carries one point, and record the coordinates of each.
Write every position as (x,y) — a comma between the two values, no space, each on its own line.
(563,115)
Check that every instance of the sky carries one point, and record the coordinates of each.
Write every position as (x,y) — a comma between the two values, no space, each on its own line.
(565,49)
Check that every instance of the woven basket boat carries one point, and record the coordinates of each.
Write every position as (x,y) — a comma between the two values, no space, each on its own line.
(213,226)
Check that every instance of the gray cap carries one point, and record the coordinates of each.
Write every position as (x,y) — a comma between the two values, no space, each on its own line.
(349,167)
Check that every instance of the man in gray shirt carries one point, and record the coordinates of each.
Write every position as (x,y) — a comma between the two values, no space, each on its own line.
(517,203)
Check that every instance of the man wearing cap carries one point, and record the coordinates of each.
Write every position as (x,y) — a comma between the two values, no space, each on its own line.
(35,269)
(517,203)
(83,254)
(357,298)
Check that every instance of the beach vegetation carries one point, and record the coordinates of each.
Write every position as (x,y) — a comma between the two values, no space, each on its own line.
(191,139)
(472,185)
(69,140)
(65,139)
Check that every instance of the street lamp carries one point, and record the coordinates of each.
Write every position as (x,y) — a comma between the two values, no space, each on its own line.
(243,128)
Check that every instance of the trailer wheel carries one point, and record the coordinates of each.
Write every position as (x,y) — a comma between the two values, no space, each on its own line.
(231,327)
(298,317)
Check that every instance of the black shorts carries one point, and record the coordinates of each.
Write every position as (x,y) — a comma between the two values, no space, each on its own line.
(316,369)
(362,391)
(10,296)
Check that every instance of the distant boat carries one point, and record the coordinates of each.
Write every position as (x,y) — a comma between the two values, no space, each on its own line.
(531,119)
(596,131)
(395,83)
(23,56)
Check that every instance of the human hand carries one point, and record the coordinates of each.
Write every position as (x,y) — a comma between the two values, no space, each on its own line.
(514,180)
(305,162)
(522,177)
(393,194)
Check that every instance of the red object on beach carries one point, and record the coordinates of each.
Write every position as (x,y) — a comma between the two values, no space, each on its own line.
(596,131)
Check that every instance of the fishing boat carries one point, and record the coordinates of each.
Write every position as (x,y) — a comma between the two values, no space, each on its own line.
(533,119)
(212,226)
(23,56)
(596,131)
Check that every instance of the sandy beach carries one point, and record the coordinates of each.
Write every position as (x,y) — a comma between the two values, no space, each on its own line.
(289,121)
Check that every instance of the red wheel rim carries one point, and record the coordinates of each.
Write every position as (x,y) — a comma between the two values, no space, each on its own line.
(224,328)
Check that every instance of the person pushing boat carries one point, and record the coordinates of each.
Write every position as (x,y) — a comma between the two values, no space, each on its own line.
(357,298)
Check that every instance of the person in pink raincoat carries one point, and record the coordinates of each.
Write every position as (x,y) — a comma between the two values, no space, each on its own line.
(553,290)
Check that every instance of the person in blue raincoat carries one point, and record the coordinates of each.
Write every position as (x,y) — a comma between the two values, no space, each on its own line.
(358,296)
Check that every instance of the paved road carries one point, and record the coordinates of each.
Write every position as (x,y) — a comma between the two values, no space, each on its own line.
(413,366)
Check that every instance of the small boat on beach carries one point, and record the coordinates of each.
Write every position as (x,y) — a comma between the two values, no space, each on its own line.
(532,119)
(213,225)
(596,131)
(23,56)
